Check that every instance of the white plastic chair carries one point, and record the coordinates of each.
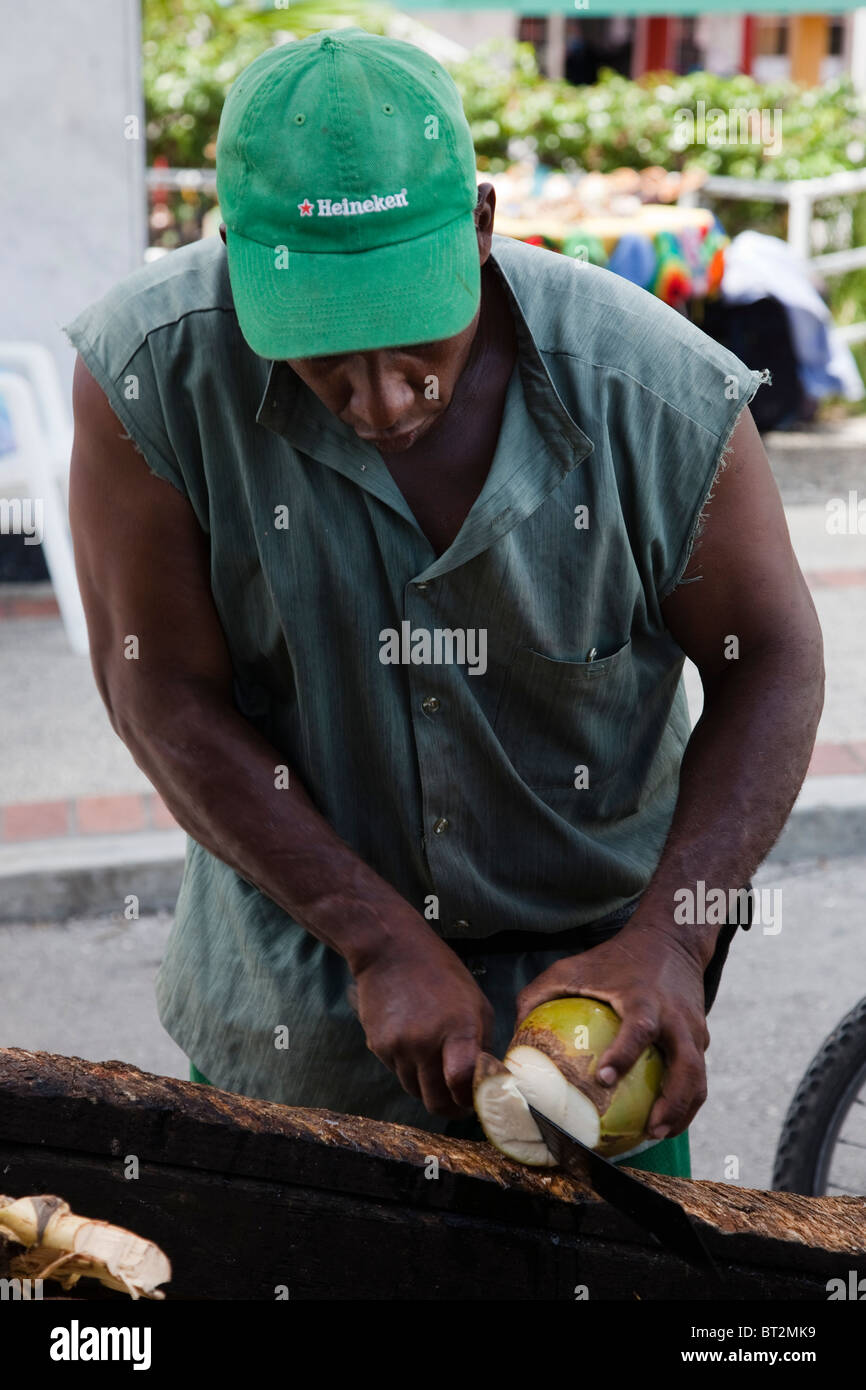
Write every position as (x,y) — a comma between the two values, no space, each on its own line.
(38,467)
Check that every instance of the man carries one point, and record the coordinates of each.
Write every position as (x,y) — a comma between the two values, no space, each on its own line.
(401,646)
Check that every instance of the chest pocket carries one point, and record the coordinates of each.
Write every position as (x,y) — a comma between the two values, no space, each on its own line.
(558,716)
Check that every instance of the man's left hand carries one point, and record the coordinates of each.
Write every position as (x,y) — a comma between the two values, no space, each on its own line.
(657,988)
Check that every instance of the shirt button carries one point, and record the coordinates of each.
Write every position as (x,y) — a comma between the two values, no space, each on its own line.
(462,925)
(430,705)
(440,825)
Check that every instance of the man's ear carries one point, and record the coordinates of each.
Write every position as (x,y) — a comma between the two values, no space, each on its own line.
(223,232)
(484,211)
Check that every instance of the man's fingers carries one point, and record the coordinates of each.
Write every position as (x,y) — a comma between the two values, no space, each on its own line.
(443,1082)
(639,1028)
(407,1075)
(435,1094)
(458,1067)
(527,1000)
(683,1093)
(488,1024)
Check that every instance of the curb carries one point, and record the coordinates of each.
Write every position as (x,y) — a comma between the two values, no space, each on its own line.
(821,832)
(50,880)
(817,461)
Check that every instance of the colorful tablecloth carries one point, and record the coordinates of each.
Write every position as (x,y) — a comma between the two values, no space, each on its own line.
(677,253)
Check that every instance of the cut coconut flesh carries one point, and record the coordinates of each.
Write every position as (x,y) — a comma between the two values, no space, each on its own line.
(505,1117)
(543,1085)
(504,1092)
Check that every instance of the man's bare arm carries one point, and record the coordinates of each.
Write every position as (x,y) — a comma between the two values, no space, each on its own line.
(143,569)
(750,750)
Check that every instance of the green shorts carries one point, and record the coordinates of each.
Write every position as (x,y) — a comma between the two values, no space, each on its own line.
(670,1156)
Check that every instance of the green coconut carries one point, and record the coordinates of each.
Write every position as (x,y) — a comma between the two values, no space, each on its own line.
(551,1064)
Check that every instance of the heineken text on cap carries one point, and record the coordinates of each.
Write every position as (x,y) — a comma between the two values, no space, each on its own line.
(346,180)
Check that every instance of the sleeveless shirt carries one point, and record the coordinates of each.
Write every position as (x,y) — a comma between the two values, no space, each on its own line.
(498,732)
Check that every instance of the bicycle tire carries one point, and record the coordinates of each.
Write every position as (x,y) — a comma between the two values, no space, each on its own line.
(820,1104)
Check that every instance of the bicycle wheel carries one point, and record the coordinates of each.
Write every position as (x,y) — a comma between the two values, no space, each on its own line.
(822,1147)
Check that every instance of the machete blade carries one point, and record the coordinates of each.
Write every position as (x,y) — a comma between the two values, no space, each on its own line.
(660,1215)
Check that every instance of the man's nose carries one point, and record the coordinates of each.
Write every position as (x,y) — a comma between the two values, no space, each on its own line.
(380,401)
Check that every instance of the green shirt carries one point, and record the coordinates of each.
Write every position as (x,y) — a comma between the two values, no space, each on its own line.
(498,732)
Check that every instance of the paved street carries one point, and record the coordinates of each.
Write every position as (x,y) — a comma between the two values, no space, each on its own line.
(779,998)
(85,988)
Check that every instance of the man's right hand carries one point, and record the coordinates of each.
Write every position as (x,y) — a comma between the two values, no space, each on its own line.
(426,1019)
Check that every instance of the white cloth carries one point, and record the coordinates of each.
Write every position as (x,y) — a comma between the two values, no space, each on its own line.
(756,266)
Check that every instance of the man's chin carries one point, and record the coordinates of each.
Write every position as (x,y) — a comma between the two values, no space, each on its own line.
(395,446)
(399,443)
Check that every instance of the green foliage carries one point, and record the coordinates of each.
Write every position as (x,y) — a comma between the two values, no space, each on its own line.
(194,49)
(620,122)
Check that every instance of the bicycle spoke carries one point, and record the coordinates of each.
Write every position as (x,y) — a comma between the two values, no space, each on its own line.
(851,1144)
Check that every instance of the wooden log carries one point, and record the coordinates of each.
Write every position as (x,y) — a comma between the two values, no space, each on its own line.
(253,1200)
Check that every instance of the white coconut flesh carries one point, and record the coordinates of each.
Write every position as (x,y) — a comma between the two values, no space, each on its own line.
(543,1085)
(506,1121)
(503,1101)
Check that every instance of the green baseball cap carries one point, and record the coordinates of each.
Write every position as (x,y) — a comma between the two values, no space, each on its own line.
(346,179)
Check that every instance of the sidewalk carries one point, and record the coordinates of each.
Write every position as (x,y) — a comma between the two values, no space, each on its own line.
(81,827)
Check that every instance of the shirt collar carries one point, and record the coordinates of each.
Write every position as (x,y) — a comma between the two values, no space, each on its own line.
(539,442)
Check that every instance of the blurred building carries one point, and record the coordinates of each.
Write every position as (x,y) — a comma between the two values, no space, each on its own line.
(807,47)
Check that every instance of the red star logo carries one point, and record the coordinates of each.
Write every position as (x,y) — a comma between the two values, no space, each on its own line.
(306,208)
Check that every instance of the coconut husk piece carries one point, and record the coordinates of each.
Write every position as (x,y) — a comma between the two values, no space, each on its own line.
(45,1240)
